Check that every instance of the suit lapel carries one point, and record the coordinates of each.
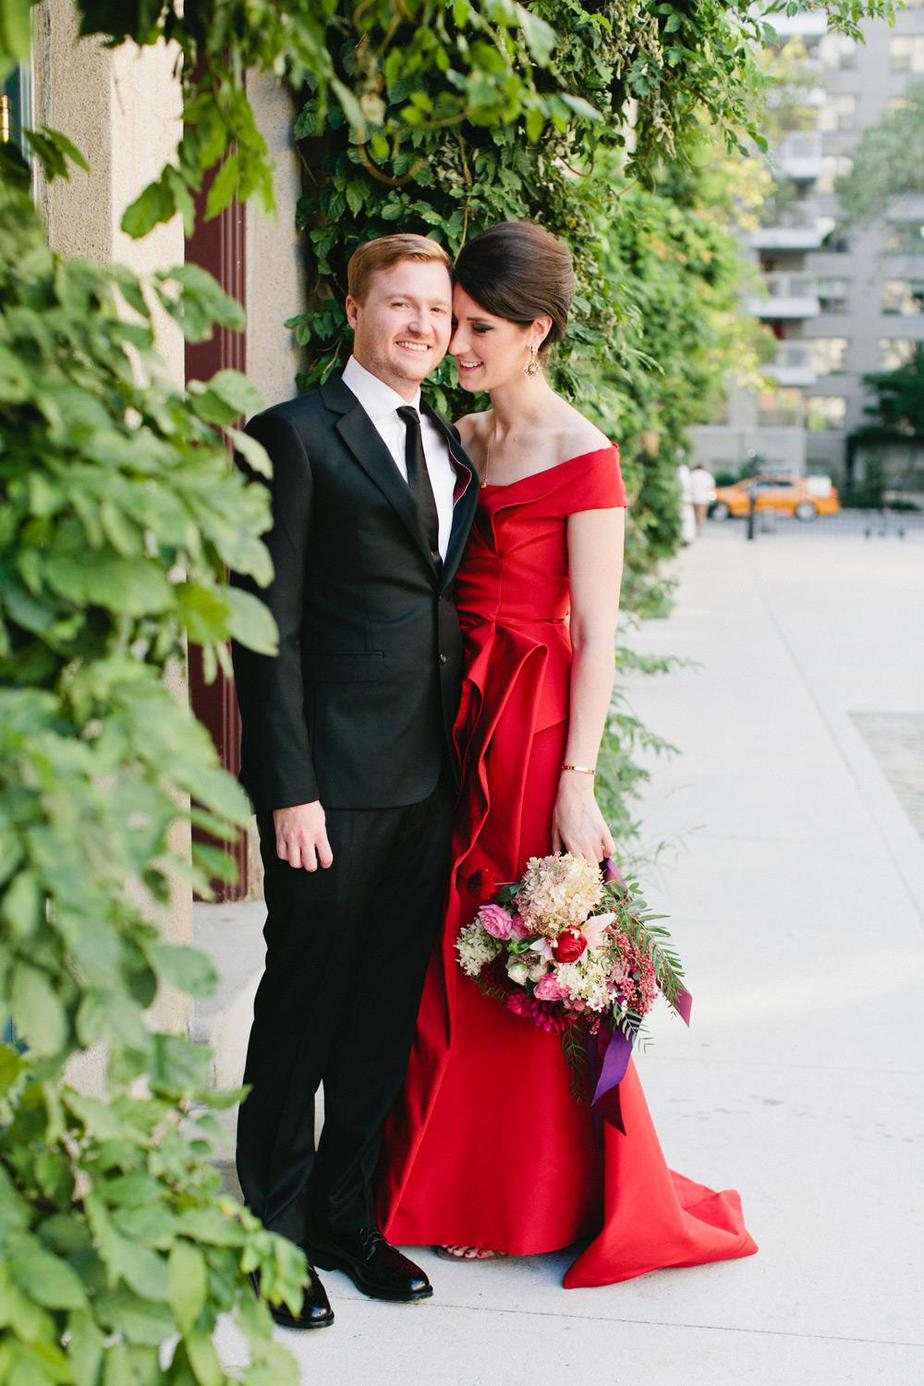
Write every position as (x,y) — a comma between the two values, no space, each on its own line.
(365,443)
(463,512)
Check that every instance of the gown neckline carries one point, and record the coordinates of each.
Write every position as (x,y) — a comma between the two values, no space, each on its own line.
(531,476)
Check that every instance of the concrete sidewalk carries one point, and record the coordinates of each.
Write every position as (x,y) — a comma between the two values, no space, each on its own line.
(794,877)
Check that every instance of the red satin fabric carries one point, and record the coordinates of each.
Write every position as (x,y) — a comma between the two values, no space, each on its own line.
(487,1147)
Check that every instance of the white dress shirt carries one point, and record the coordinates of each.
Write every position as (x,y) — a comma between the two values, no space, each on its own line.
(382,403)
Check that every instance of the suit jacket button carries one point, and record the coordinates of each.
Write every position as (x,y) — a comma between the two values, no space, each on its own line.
(442,657)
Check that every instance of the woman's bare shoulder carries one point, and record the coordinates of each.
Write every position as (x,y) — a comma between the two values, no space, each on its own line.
(471,426)
(578,435)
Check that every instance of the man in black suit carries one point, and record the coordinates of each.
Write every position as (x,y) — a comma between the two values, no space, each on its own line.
(346,755)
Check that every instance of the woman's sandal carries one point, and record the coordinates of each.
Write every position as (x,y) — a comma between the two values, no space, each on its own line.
(468,1253)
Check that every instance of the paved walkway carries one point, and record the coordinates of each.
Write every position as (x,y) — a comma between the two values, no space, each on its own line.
(795,881)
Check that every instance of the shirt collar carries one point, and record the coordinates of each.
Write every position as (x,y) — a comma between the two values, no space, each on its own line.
(378,399)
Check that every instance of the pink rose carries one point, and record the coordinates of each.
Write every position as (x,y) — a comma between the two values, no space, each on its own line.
(496,921)
(517,928)
(549,988)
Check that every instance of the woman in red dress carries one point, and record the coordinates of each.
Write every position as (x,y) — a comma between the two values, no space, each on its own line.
(487,1151)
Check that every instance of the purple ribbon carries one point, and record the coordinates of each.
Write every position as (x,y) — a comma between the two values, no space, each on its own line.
(605,1100)
(611,872)
(683,1005)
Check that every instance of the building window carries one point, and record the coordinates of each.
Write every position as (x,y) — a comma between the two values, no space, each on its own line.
(828,355)
(838,51)
(779,409)
(832,295)
(14,103)
(832,166)
(906,52)
(836,241)
(824,412)
(905,238)
(896,351)
(838,112)
(903,296)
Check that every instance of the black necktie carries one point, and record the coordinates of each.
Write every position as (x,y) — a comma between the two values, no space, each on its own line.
(418,479)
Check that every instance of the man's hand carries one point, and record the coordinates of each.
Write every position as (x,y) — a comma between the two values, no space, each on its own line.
(301,836)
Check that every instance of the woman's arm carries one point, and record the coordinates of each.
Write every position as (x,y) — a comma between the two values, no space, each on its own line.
(595,549)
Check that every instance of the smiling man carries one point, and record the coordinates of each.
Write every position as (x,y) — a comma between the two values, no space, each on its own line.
(346,754)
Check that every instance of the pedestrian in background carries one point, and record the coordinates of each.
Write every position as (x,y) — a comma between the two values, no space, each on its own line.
(702,493)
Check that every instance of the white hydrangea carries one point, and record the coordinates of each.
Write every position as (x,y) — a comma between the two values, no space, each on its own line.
(558,893)
(475,948)
(588,980)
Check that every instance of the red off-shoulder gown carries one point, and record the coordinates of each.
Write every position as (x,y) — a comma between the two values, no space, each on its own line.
(487,1146)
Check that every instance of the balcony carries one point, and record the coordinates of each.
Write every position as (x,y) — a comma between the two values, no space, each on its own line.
(798,157)
(793,365)
(789,296)
(793,235)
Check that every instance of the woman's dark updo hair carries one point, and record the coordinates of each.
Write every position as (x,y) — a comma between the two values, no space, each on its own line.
(519,271)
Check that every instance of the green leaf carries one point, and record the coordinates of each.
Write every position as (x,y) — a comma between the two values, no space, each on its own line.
(106,1015)
(22,904)
(349,104)
(252,623)
(16,29)
(179,1067)
(237,392)
(141,1320)
(540,36)
(53,150)
(189,969)
(137,587)
(11,1066)
(188,1278)
(84,1348)
(253,453)
(210,1226)
(224,187)
(204,1360)
(581,107)
(201,302)
(15,380)
(205,613)
(102,1122)
(154,205)
(37,1010)
(45,1278)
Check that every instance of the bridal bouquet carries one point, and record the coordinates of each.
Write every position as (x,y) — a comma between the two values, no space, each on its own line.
(577,951)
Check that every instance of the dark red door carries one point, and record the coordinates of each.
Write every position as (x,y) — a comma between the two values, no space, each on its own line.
(219,246)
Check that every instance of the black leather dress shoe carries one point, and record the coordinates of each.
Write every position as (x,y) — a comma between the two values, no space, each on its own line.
(315,1311)
(379,1270)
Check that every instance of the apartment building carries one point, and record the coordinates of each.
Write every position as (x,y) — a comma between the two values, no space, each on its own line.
(841,301)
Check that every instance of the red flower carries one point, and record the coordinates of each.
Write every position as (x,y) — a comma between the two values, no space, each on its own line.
(481,884)
(569,946)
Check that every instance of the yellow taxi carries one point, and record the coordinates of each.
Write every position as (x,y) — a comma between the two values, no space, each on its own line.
(805,497)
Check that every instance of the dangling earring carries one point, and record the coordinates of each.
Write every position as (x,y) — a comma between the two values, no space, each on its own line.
(532,366)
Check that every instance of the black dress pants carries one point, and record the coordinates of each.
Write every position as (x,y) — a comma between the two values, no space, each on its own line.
(346,953)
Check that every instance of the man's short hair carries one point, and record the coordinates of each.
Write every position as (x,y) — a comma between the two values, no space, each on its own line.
(380,254)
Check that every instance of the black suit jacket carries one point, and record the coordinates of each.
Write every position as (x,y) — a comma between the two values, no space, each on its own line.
(357,707)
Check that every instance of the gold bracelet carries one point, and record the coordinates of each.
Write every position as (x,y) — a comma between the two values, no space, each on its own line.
(581,769)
